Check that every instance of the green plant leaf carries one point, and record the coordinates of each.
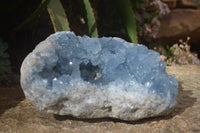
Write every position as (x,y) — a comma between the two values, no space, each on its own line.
(4,55)
(91,22)
(34,14)
(3,46)
(128,18)
(58,16)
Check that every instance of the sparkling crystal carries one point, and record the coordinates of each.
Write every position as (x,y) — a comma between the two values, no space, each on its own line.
(97,77)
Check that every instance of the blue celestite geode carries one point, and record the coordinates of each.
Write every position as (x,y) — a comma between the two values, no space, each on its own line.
(97,77)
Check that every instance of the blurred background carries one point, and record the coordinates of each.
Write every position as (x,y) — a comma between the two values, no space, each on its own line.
(171,27)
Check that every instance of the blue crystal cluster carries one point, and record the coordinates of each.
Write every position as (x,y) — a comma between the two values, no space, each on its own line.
(125,77)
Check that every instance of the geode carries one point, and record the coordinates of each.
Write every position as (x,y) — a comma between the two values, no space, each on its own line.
(97,77)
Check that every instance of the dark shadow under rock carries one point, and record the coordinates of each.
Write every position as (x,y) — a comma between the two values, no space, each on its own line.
(10,96)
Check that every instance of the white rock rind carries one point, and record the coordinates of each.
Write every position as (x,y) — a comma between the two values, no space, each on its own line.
(83,99)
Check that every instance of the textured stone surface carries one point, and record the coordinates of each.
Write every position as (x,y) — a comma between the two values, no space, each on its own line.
(18,115)
(171,3)
(94,78)
(188,3)
(179,24)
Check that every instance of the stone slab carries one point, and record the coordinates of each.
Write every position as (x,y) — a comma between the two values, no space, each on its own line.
(179,24)
(19,116)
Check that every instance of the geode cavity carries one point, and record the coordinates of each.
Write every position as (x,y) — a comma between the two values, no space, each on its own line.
(97,77)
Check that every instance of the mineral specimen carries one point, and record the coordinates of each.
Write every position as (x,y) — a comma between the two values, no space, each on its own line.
(97,77)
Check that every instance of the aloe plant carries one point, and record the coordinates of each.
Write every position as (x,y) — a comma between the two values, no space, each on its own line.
(60,22)
(58,16)
(91,22)
(128,18)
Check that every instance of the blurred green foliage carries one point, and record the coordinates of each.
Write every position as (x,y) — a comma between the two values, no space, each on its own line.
(139,24)
(181,54)
(178,54)
(60,22)
(5,67)
(59,18)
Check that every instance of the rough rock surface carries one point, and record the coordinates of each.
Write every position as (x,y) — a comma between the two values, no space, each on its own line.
(181,3)
(97,77)
(171,3)
(179,24)
(18,115)
(188,3)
